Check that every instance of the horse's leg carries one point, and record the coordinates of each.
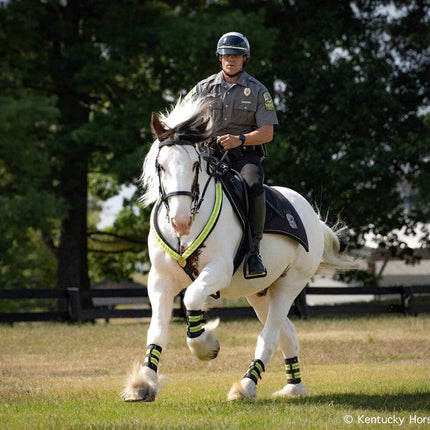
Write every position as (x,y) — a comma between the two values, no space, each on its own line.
(143,381)
(289,344)
(290,350)
(272,310)
(201,339)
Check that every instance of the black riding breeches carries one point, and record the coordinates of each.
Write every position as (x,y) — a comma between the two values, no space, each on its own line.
(250,167)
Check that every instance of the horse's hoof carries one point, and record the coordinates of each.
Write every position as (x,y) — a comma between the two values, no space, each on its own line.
(206,346)
(142,385)
(145,394)
(291,390)
(236,392)
(245,389)
(204,350)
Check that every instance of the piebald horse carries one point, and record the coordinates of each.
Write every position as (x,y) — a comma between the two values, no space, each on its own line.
(193,226)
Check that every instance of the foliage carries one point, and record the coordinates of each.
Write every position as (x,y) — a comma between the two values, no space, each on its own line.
(120,250)
(79,81)
(91,58)
(29,205)
(349,138)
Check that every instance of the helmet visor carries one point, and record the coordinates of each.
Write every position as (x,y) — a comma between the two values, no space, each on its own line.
(230,51)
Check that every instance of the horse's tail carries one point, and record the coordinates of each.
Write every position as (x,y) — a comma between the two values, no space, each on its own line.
(334,259)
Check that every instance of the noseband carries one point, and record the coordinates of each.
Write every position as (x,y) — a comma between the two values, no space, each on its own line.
(195,191)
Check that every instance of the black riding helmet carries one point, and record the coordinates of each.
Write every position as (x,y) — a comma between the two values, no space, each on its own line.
(233,43)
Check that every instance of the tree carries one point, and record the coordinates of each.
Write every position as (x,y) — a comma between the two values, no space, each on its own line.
(29,205)
(107,64)
(351,128)
(89,57)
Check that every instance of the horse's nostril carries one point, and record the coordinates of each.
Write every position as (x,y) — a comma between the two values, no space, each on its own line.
(182,225)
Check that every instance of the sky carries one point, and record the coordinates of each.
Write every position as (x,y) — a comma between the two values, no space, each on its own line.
(112,206)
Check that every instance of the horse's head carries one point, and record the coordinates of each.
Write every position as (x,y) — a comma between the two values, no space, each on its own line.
(178,166)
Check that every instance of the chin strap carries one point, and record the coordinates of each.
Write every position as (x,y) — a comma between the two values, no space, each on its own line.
(234,75)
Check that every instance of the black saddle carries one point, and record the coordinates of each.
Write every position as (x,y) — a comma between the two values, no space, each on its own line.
(281,216)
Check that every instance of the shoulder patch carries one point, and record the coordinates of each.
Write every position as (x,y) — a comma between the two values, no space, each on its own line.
(268,101)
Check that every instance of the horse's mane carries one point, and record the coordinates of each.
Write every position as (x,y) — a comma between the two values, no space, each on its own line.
(184,120)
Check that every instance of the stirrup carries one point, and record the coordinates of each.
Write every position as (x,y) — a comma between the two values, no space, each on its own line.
(246,273)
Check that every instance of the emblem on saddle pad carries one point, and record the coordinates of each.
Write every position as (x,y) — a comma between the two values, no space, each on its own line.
(291,221)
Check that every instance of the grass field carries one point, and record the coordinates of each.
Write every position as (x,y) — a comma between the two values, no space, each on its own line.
(364,369)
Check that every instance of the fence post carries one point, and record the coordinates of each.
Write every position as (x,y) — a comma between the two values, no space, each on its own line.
(75,308)
(408,301)
(301,305)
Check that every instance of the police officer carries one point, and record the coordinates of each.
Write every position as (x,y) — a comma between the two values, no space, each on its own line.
(244,116)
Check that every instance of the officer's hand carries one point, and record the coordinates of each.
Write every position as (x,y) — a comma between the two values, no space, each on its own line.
(229,141)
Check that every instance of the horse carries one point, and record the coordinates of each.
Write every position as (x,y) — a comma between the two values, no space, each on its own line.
(194,226)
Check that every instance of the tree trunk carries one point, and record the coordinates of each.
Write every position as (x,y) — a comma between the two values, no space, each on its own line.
(72,252)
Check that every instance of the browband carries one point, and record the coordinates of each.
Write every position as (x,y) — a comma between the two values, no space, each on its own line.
(175,142)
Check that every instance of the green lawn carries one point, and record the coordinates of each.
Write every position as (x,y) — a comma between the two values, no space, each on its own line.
(366,368)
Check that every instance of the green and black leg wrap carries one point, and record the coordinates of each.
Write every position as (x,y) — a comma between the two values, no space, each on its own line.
(152,357)
(255,369)
(195,321)
(293,370)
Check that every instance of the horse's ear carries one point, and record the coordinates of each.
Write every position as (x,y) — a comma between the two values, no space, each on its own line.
(156,125)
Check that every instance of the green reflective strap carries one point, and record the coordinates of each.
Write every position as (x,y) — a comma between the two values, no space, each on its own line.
(256,368)
(194,329)
(259,366)
(198,241)
(152,357)
(209,225)
(195,322)
(293,371)
(163,245)
(156,353)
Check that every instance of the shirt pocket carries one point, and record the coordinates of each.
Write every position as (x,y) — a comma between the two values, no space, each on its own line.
(244,110)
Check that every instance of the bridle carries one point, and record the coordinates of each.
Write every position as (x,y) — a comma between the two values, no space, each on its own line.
(215,168)
(194,193)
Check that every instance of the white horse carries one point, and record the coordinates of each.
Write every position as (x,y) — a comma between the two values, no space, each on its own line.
(189,207)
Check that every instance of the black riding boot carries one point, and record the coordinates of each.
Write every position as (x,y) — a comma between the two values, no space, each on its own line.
(254,267)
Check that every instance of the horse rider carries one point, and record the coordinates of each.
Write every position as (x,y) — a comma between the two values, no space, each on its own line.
(244,115)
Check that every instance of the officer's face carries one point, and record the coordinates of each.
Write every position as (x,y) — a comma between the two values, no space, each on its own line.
(232,64)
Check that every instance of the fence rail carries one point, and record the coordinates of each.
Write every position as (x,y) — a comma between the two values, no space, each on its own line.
(73,299)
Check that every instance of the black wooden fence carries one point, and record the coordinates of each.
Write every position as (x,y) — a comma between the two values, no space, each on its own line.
(104,303)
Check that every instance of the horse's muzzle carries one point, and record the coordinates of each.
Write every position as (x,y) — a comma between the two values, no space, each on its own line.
(182,225)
